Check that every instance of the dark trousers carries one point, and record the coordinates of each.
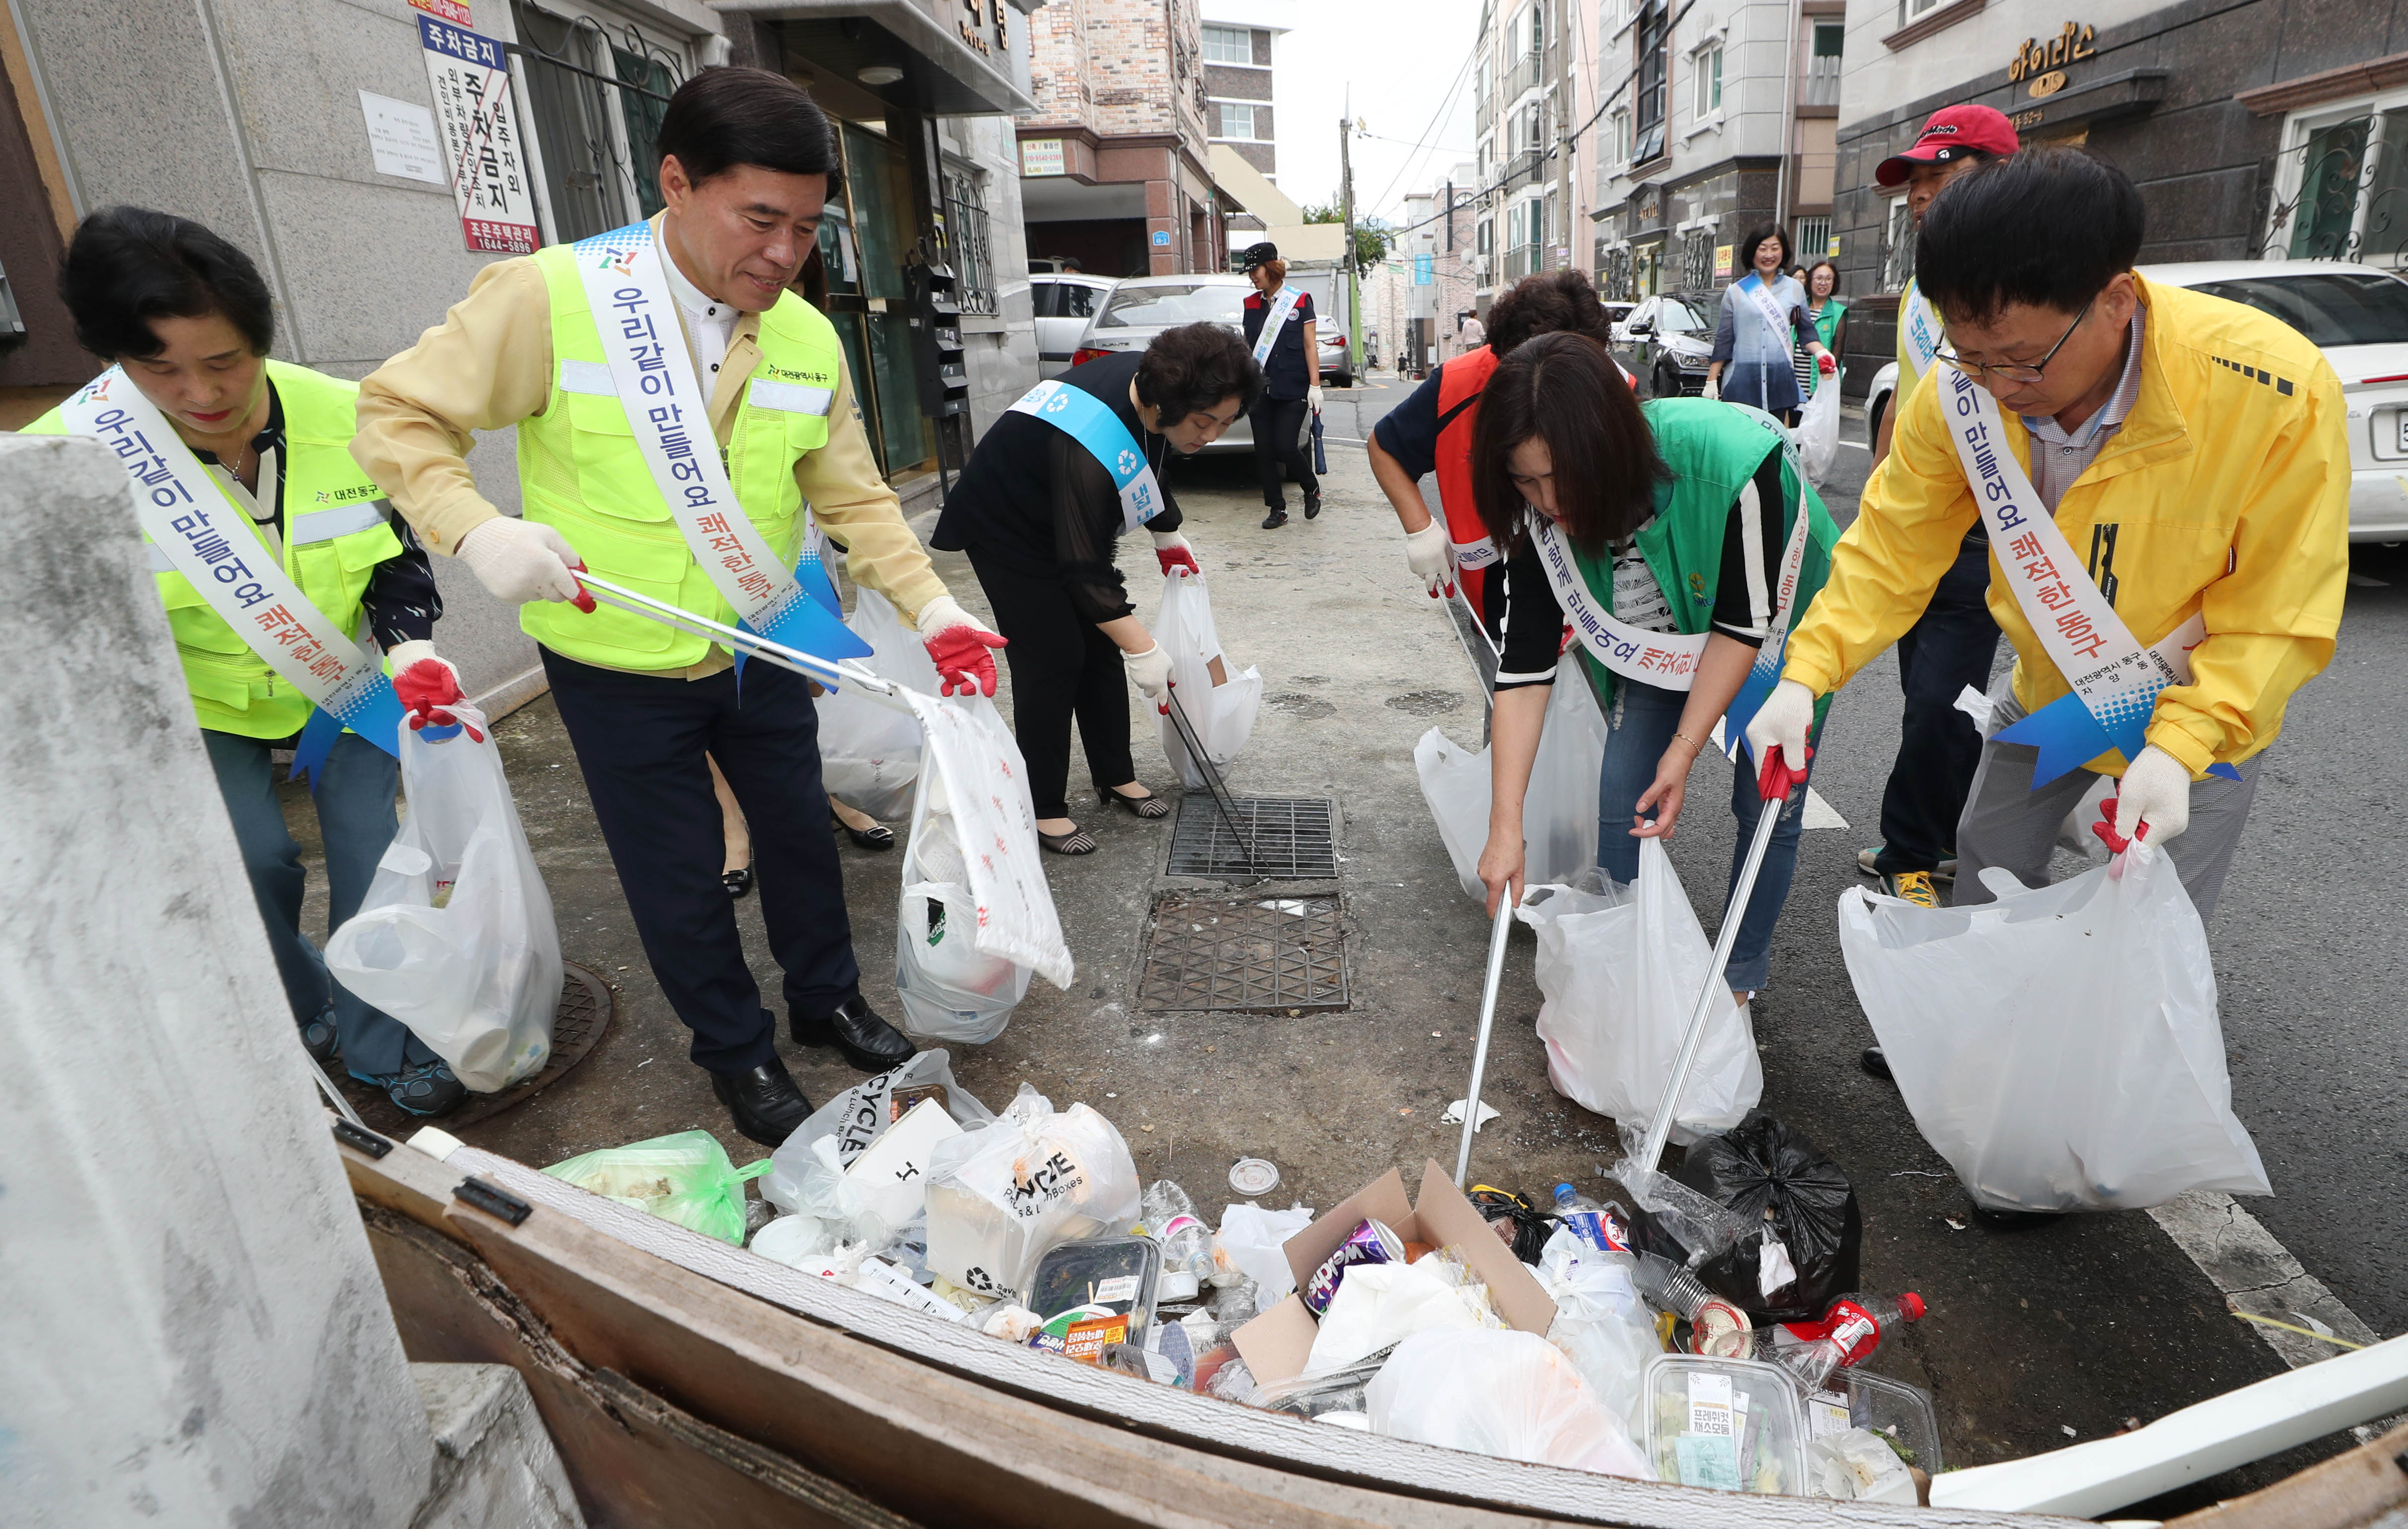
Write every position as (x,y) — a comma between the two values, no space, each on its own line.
(1063,668)
(1950,647)
(640,741)
(1278,423)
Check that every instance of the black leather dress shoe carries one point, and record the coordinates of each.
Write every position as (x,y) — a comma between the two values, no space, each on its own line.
(764,1103)
(869,1042)
(1875,1065)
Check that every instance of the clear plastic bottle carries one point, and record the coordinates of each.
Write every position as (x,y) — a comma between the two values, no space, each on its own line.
(1170,1220)
(1603,1227)
(1848,1332)
(1717,1326)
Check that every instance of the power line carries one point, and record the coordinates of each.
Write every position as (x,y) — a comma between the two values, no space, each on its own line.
(1446,103)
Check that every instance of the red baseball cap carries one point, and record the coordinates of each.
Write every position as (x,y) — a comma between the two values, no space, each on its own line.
(1952,132)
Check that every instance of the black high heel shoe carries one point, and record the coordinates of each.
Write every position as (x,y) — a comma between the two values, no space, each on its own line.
(876,837)
(737,881)
(1148,808)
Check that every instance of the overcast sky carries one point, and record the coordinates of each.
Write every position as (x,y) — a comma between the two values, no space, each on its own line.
(1404,61)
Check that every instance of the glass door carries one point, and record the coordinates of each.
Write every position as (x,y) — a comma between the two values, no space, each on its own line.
(880,222)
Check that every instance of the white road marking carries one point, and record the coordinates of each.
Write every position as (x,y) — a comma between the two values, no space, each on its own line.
(1855,446)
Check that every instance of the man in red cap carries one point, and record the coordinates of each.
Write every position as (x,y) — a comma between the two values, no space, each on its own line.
(1955,642)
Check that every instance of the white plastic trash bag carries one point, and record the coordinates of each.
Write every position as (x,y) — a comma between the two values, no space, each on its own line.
(1619,968)
(1601,1323)
(1559,808)
(1380,1305)
(860,1115)
(869,753)
(1221,710)
(1818,429)
(1498,1392)
(972,928)
(2059,1047)
(455,936)
(999,1196)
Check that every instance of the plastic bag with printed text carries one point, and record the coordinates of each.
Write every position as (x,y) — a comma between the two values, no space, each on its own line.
(455,938)
(1558,808)
(1003,1194)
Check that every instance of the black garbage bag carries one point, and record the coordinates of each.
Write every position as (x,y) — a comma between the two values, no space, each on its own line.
(1532,1227)
(1761,1165)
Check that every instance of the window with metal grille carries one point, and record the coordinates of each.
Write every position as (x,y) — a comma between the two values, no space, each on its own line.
(596,97)
(967,234)
(1813,241)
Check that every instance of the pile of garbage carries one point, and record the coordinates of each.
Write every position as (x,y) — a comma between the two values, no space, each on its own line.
(1710,1337)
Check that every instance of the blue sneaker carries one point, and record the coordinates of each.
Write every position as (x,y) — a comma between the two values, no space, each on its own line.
(422,1087)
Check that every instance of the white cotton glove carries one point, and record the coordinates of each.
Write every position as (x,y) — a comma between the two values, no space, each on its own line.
(961,646)
(1782,723)
(1312,396)
(1150,672)
(2155,793)
(1714,388)
(519,561)
(1172,552)
(1428,553)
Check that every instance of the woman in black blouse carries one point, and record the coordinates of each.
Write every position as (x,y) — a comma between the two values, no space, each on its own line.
(1038,516)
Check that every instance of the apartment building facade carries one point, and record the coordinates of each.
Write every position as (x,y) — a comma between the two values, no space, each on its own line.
(1535,88)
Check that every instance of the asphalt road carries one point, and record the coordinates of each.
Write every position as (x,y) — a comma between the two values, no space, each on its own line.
(2107,1318)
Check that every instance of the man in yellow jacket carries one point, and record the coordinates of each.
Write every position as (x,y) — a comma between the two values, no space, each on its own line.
(623,361)
(2165,477)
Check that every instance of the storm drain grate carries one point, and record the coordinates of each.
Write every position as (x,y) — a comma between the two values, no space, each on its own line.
(1291,839)
(1263,954)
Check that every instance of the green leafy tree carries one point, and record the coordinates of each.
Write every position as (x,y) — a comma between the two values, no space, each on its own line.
(1371,244)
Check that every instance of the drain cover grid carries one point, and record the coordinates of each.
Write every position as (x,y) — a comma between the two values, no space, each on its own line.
(1292,839)
(1262,955)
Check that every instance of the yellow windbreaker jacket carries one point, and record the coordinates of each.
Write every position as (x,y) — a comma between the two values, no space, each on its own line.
(2228,492)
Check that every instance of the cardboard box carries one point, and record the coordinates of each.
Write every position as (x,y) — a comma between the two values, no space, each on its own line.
(892,1172)
(1276,1344)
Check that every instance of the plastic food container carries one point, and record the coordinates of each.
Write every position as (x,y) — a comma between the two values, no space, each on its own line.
(1731,1425)
(1899,1413)
(1115,1273)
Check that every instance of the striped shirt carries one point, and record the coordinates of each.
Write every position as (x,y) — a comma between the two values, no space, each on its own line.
(2058,456)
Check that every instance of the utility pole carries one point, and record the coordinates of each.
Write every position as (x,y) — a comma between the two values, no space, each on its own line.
(1346,218)
(1781,181)
(1564,110)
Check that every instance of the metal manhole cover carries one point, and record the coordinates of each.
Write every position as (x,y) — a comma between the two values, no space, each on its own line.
(587,1008)
(1291,839)
(1259,954)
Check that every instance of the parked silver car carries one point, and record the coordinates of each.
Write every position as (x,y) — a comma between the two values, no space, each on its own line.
(1143,306)
(1064,301)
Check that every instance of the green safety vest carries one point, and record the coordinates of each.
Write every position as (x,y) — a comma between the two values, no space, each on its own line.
(338,527)
(1712,449)
(581,472)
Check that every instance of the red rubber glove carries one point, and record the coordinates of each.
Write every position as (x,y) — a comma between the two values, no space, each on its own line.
(1827,364)
(961,646)
(428,687)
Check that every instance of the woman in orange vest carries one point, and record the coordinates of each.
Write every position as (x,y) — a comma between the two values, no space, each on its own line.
(1431,432)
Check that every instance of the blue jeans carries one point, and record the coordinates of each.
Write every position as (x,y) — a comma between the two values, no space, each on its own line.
(355,816)
(1642,723)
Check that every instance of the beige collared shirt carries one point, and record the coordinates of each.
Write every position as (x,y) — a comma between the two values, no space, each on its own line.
(490,365)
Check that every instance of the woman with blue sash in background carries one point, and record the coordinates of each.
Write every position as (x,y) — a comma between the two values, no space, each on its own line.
(1048,490)
(1764,314)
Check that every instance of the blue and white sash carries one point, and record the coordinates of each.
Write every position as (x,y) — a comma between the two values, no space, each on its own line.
(204,538)
(1919,321)
(1754,288)
(644,345)
(1274,320)
(1089,420)
(2114,679)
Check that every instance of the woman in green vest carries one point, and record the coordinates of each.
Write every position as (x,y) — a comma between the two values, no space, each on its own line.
(1663,534)
(184,316)
(1829,317)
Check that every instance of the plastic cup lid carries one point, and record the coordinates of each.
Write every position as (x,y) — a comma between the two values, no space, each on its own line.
(1253,1175)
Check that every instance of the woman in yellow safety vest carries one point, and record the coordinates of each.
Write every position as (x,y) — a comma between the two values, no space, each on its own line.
(183,317)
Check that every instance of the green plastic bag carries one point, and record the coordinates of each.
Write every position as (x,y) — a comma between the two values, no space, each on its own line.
(685,1179)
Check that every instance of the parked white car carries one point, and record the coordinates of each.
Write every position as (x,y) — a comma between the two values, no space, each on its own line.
(1065,301)
(1143,306)
(2357,315)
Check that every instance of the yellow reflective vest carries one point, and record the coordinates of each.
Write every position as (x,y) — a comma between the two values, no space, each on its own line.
(2225,492)
(338,527)
(582,472)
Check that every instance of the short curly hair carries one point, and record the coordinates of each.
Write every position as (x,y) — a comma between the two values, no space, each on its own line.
(1547,303)
(1192,368)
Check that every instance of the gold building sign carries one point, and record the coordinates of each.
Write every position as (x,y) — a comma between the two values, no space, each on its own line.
(2038,58)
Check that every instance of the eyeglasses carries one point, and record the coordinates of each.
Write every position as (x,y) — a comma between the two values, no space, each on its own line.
(2013,371)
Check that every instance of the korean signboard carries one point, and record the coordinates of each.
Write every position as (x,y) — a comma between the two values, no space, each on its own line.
(477,125)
